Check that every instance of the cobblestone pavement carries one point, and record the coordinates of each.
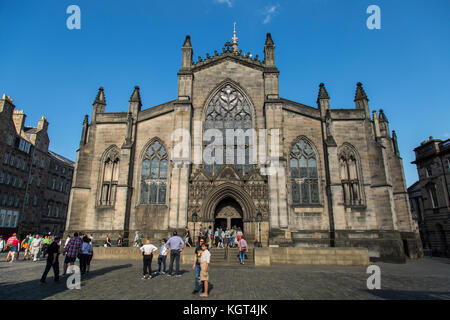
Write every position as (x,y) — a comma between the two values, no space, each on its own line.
(428,278)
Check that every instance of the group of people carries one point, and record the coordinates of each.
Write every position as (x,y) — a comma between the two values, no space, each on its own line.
(34,246)
(221,238)
(77,247)
(175,246)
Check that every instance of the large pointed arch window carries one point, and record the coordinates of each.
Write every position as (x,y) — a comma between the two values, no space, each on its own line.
(303,170)
(350,177)
(154,175)
(110,179)
(229,109)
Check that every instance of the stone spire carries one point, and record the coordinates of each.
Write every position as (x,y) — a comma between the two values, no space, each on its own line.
(361,100)
(269,51)
(360,93)
(235,39)
(135,101)
(136,96)
(187,54)
(323,94)
(100,98)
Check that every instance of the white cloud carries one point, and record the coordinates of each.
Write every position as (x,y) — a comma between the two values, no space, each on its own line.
(270,12)
(228,2)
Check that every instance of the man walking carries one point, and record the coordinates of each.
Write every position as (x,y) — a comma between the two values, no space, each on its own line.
(196,266)
(176,246)
(72,250)
(35,247)
(52,260)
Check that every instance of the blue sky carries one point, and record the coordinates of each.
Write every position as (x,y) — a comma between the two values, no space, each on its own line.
(52,71)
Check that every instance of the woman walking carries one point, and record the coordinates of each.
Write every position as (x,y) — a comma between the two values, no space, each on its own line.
(243,249)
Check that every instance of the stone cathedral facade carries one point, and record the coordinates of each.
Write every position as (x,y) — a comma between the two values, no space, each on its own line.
(338,178)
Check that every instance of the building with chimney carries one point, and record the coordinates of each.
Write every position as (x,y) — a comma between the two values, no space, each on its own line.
(430,195)
(25,172)
(316,176)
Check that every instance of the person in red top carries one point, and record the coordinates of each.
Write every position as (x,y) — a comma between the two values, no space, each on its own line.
(14,244)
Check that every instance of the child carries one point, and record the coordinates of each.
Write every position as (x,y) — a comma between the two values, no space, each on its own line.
(204,265)
(162,257)
(147,252)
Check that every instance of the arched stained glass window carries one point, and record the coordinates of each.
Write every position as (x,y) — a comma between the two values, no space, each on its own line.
(303,169)
(229,109)
(154,174)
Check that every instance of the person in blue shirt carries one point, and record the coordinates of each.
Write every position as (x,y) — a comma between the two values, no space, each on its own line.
(162,257)
(176,246)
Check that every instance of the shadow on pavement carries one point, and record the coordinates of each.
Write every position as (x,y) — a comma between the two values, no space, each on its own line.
(409,295)
(32,290)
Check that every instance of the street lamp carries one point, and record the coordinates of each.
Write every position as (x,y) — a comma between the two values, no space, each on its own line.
(194,220)
(259,219)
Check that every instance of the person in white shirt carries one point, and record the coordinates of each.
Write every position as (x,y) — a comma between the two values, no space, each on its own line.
(86,255)
(35,247)
(67,241)
(204,265)
(147,252)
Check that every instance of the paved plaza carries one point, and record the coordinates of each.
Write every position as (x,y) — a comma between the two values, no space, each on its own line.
(428,278)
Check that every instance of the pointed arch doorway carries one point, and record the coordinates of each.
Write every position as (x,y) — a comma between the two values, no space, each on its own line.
(228,213)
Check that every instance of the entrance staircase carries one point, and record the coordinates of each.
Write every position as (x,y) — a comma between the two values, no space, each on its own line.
(229,257)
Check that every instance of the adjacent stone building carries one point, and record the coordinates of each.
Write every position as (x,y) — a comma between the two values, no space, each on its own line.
(322,176)
(433,167)
(25,170)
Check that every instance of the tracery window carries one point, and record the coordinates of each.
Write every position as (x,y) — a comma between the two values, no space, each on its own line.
(303,170)
(229,109)
(350,177)
(110,179)
(154,175)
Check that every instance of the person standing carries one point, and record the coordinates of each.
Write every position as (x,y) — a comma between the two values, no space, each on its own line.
(227,237)
(239,234)
(176,246)
(204,265)
(2,244)
(147,253)
(35,247)
(196,266)
(67,241)
(108,241)
(136,239)
(243,249)
(86,253)
(71,251)
(232,236)
(162,257)
(52,260)
(210,235)
(120,241)
(45,245)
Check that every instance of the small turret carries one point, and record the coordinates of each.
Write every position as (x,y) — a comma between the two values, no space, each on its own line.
(323,100)
(84,132)
(187,54)
(384,124)
(269,51)
(361,100)
(135,101)
(99,104)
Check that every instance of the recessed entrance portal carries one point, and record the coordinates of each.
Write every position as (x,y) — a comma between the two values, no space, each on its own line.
(228,213)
